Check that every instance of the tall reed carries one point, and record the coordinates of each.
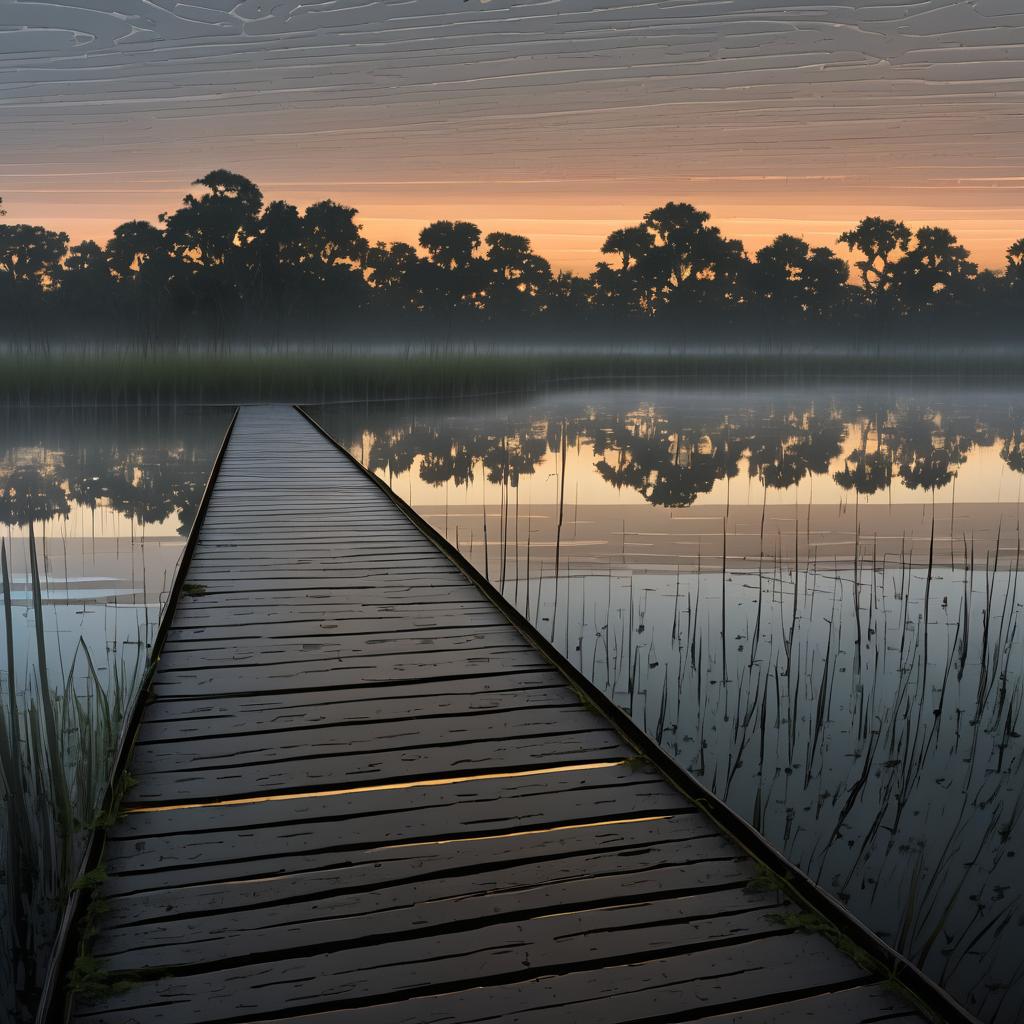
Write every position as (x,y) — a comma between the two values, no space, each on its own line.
(57,743)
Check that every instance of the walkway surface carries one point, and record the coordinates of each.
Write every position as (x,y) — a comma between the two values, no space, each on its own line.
(364,797)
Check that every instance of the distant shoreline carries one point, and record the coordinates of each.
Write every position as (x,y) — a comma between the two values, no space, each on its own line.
(109,373)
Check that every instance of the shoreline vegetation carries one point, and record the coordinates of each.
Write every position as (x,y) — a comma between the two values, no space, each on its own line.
(80,604)
(227,266)
(142,374)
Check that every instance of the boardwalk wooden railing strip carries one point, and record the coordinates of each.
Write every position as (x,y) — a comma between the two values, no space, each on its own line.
(367,792)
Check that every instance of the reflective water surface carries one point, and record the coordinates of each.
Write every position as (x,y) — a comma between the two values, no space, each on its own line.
(809,596)
(108,495)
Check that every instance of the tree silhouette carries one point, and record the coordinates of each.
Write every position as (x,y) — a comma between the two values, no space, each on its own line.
(209,240)
(879,240)
(825,277)
(569,297)
(395,271)
(277,254)
(635,290)
(225,262)
(518,278)
(451,244)
(1015,262)
(780,274)
(456,276)
(282,236)
(134,245)
(85,279)
(682,229)
(632,244)
(938,269)
(31,255)
(331,235)
(693,251)
(85,259)
(215,229)
(334,252)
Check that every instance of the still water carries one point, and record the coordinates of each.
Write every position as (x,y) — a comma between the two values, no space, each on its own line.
(109,495)
(808,596)
(810,599)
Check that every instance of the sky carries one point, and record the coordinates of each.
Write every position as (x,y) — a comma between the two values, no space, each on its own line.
(558,119)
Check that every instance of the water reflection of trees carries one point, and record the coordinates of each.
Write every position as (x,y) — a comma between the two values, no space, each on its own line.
(1012,451)
(647,453)
(672,456)
(148,484)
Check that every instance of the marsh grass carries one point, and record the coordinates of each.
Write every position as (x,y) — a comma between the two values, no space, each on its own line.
(368,369)
(58,737)
(864,715)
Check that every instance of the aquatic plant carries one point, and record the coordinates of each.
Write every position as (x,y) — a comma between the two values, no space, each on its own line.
(57,744)
(863,713)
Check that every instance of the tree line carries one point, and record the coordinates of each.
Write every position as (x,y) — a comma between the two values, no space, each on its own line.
(227,262)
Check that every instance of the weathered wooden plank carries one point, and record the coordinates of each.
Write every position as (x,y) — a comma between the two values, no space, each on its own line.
(341,605)
(286,569)
(352,647)
(371,587)
(353,974)
(315,832)
(490,803)
(321,622)
(396,577)
(360,698)
(705,985)
(193,865)
(326,739)
(340,519)
(567,852)
(203,720)
(392,760)
(337,558)
(751,954)
(339,540)
(328,675)
(863,1004)
(420,907)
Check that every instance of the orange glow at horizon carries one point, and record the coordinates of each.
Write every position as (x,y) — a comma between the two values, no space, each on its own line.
(567,228)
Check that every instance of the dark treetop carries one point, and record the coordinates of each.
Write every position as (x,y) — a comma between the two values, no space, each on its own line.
(228,264)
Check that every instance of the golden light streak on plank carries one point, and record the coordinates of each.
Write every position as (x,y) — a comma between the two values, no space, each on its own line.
(416,784)
(528,832)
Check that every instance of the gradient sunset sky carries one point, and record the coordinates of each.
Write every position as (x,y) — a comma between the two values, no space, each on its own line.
(555,118)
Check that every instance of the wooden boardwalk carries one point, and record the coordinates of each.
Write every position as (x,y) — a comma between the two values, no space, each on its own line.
(364,796)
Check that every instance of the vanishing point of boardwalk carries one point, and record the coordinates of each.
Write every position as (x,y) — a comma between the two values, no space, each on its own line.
(365,796)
